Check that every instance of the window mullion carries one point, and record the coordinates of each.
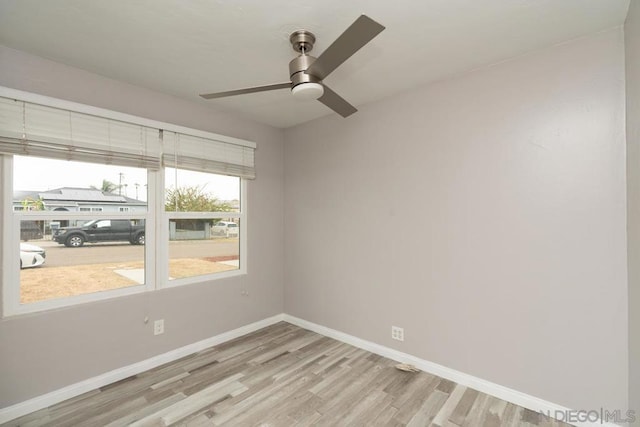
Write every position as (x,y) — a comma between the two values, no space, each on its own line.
(244,226)
(161,227)
(11,271)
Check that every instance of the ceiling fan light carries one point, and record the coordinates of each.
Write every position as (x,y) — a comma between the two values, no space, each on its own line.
(307,91)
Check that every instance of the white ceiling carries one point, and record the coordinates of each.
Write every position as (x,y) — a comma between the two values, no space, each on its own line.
(187,47)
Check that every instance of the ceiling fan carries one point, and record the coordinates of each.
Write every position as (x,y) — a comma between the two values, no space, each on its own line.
(307,72)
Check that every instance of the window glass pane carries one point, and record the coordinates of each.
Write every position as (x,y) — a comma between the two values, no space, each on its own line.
(203,246)
(73,256)
(187,191)
(59,185)
(200,246)
(66,257)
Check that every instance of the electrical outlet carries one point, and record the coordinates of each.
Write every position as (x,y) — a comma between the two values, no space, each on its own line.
(158,327)
(397,333)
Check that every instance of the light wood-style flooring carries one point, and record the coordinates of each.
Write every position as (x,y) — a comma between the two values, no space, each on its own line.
(283,375)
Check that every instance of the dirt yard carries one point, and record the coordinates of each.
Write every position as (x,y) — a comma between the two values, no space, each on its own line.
(44,283)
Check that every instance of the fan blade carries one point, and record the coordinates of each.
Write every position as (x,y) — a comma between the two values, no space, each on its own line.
(361,32)
(336,103)
(247,90)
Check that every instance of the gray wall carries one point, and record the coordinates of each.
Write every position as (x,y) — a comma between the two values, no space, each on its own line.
(485,214)
(632,44)
(46,351)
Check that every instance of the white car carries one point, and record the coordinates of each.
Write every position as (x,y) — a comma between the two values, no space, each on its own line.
(31,255)
(225,228)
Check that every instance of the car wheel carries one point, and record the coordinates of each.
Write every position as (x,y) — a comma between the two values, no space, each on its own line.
(74,241)
(140,239)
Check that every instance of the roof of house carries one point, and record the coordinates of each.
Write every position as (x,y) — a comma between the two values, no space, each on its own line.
(89,195)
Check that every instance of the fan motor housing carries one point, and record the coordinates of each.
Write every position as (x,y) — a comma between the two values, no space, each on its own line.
(297,68)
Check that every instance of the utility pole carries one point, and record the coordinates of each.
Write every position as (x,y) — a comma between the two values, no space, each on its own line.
(136,185)
(121,175)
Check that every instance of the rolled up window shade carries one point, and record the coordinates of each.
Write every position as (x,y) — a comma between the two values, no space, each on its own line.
(207,155)
(36,130)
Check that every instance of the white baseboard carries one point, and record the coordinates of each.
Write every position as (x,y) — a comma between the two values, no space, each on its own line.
(530,402)
(521,399)
(23,408)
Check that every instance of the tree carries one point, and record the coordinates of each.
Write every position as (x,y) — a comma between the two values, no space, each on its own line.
(193,199)
(107,186)
(30,204)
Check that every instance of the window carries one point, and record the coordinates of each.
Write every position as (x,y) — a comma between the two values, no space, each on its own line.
(195,204)
(90,194)
(75,251)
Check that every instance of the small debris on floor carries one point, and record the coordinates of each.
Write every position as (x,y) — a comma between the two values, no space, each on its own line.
(407,367)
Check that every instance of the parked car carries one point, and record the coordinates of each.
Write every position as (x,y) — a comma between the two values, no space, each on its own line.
(31,255)
(29,230)
(225,228)
(101,230)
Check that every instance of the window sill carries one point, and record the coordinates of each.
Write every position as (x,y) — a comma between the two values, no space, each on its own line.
(204,278)
(77,300)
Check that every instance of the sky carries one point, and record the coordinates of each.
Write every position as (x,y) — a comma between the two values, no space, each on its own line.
(39,174)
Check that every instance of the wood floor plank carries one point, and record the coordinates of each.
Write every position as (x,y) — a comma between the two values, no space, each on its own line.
(429,409)
(464,406)
(281,412)
(311,420)
(447,409)
(261,409)
(146,411)
(286,376)
(306,407)
(367,409)
(199,421)
(373,379)
(508,417)
(478,410)
(227,411)
(114,412)
(495,410)
(410,401)
(385,416)
(336,358)
(183,408)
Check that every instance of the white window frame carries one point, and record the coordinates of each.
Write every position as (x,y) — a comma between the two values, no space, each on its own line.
(11,240)
(156,256)
(163,235)
(156,220)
